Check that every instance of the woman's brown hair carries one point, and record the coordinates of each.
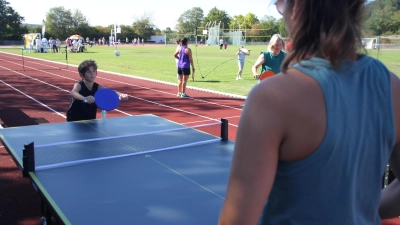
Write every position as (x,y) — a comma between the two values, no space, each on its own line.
(330,29)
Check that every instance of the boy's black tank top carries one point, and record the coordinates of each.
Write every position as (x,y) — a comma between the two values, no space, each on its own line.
(78,110)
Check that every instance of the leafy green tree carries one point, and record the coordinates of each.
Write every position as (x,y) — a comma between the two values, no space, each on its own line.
(62,23)
(10,23)
(246,22)
(143,26)
(262,30)
(271,26)
(237,21)
(383,17)
(35,29)
(59,23)
(79,22)
(127,32)
(218,17)
(190,20)
(100,32)
(282,28)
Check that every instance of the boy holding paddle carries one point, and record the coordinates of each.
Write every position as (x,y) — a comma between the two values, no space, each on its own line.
(83,106)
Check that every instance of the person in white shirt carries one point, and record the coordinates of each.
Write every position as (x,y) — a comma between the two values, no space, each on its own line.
(51,44)
(45,44)
(221,44)
(58,45)
(241,59)
(38,44)
(178,42)
(31,44)
(75,44)
(80,46)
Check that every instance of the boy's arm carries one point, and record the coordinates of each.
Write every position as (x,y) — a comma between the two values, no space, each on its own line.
(121,95)
(75,92)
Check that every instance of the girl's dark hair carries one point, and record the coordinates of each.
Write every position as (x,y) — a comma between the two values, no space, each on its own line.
(84,66)
(330,29)
(177,41)
(184,41)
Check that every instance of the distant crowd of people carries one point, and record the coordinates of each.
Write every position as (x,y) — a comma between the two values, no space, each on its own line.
(44,45)
(75,44)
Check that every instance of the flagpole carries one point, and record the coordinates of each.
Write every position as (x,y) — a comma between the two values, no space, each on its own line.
(43,28)
(115,32)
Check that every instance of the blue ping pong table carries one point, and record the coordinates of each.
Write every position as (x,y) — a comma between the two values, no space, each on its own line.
(179,186)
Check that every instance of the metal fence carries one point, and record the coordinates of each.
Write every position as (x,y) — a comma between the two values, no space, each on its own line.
(7,42)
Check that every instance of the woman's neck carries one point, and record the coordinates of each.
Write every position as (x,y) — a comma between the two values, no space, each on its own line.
(276,52)
(89,84)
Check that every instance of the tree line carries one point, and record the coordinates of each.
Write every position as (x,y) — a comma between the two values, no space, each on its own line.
(382,18)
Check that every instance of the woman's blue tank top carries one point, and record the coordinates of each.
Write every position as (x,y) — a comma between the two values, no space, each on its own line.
(340,183)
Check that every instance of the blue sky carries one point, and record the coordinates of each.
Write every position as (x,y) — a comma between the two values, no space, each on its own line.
(165,12)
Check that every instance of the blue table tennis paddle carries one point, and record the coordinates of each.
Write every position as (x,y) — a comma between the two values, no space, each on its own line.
(106,99)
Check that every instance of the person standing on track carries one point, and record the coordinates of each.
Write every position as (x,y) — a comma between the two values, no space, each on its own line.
(184,54)
(83,106)
(313,142)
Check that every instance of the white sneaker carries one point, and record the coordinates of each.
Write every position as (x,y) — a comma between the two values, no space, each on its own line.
(237,78)
(184,95)
(240,78)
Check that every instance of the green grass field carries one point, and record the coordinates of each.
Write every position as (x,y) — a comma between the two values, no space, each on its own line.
(219,68)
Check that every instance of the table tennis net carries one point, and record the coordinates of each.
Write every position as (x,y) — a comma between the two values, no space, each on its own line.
(83,151)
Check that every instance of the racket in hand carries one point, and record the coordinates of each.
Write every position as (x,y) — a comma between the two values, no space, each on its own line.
(266,74)
(106,99)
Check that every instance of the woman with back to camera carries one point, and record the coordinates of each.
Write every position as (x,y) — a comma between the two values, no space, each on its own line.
(315,139)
